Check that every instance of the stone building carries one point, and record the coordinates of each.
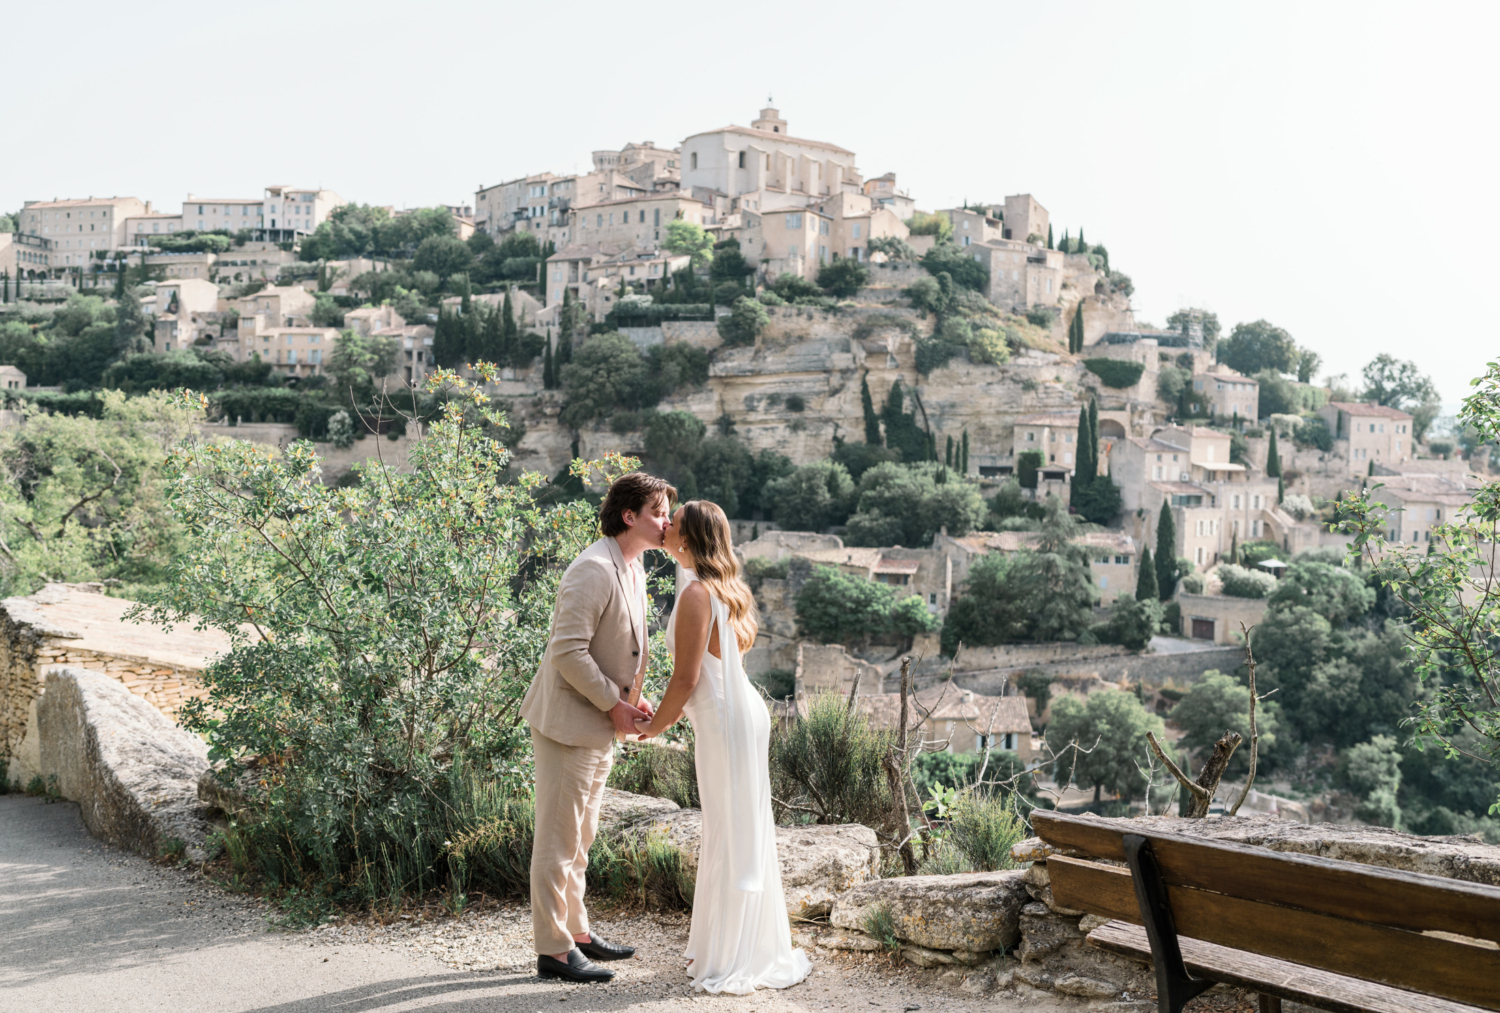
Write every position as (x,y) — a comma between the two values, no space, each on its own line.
(1224,393)
(1367,434)
(1025,219)
(1417,503)
(1112,556)
(945,718)
(67,233)
(183,311)
(737,160)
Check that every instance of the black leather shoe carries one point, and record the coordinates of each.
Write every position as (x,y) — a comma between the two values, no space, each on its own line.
(598,949)
(577,968)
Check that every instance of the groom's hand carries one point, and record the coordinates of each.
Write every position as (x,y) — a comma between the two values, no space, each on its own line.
(646,708)
(624,717)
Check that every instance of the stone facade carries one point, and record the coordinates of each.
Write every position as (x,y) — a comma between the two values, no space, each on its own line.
(1217,617)
(78,626)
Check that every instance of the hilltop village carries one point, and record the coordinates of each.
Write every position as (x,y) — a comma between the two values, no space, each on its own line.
(881,396)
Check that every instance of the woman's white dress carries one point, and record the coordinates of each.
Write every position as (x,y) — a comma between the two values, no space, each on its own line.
(740,939)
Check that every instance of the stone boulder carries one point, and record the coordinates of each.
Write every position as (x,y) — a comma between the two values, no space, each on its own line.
(818,863)
(973,912)
(132,772)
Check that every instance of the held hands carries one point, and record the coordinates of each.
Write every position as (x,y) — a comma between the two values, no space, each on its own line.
(624,717)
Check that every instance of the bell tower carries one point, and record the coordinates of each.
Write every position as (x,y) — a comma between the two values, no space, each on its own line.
(770,120)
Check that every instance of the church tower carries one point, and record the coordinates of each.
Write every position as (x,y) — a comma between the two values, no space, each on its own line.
(770,120)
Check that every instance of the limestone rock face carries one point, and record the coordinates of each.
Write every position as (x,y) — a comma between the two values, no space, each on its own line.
(818,863)
(977,911)
(132,772)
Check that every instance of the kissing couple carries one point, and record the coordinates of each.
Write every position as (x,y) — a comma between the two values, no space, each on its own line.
(587,693)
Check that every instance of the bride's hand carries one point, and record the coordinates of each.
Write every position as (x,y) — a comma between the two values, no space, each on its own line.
(646,729)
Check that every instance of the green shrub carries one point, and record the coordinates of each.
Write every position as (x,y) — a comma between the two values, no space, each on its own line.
(843,277)
(746,320)
(830,761)
(1116,373)
(356,617)
(985,826)
(659,771)
(1314,433)
(778,683)
(880,924)
(1242,583)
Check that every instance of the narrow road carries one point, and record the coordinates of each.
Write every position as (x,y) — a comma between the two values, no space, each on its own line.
(87,927)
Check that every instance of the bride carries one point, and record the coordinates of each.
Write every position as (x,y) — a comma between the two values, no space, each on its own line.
(740,939)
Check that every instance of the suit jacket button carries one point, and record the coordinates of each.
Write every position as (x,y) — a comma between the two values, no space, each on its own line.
(637,653)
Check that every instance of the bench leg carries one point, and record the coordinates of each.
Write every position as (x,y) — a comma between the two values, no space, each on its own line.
(1270,1003)
(1174,986)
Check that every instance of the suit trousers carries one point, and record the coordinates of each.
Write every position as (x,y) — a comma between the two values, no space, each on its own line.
(569,787)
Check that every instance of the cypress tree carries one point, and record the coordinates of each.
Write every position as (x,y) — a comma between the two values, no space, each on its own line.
(1049,235)
(492,348)
(1094,435)
(1082,474)
(1146,588)
(549,381)
(1063,246)
(466,303)
(6,296)
(1166,552)
(1075,330)
(1082,246)
(509,335)
(1280,490)
(872,421)
(948,453)
(963,464)
(1273,459)
(473,330)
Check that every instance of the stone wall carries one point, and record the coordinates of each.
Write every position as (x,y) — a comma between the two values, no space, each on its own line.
(335,460)
(79,626)
(1176,671)
(1226,613)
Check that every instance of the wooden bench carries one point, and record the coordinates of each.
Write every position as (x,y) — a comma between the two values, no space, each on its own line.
(1336,935)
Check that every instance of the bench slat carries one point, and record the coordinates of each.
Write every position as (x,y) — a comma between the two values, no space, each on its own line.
(1405,900)
(1458,971)
(1270,976)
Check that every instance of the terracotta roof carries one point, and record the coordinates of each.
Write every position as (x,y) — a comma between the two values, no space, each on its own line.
(897,565)
(1369,410)
(769,135)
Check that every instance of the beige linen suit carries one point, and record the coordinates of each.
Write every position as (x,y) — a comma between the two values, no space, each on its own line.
(596,654)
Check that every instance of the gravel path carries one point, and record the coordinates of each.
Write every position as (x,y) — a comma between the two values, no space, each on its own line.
(88,927)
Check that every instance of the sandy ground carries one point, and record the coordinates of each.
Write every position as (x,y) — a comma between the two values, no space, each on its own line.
(89,927)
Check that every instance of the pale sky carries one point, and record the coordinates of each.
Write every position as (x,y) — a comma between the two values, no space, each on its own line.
(1328,167)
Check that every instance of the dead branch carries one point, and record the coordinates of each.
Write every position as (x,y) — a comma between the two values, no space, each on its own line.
(1212,772)
(1254,735)
(1196,790)
(853,693)
(896,775)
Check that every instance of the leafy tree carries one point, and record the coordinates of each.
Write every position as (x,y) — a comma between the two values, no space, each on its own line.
(861,457)
(148,371)
(1146,587)
(908,504)
(923,224)
(131,326)
(1278,395)
(1336,594)
(1372,770)
(1042,593)
(1308,363)
(745,322)
(950,259)
(1259,345)
(1182,319)
(893,247)
(359,361)
(85,498)
(444,256)
(1218,703)
(1112,726)
(1314,433)
(872,421)
(1242,583)
(1166,553)
(834,607)
(844,277)
(927,295)
(729,264)
(675,367)
(606,375)
(1099,501)
(811,498)
(687,239)
(1396,384)
(674,444)
(1133,622)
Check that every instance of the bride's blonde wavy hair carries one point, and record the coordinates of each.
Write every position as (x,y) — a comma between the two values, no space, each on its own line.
(705,534)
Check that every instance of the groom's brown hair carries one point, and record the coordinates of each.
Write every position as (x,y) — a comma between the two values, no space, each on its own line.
(633,492)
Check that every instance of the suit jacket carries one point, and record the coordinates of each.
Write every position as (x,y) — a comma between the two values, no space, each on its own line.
(597,648)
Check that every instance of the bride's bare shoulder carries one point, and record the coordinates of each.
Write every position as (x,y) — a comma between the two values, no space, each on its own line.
(694,595)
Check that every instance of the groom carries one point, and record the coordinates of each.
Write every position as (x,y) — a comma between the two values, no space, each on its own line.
(587,691)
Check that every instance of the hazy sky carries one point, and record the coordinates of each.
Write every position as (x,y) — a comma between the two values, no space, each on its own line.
(1329,167)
